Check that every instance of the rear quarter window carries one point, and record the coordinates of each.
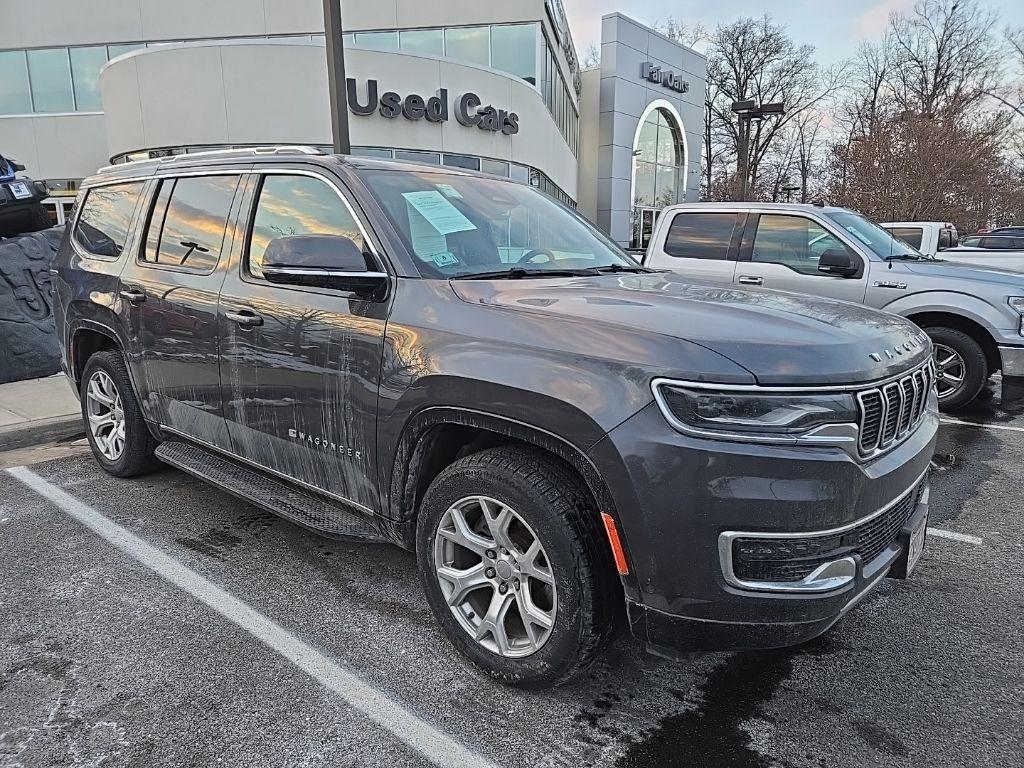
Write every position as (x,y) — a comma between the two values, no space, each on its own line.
(912,236)
(702,235)
(107,211)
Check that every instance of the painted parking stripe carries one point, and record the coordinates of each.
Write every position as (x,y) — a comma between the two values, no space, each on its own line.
(434,745)
(1004,427)
(944,534)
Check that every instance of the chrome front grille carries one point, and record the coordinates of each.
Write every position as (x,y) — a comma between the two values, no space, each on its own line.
(891,412)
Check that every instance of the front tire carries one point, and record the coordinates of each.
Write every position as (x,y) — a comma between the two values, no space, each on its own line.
(961,368)
(117,433)
(514,567)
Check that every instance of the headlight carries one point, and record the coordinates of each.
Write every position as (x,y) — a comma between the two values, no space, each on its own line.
(750,413)
(1017,302)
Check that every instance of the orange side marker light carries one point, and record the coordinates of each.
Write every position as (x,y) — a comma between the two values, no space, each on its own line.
(613,538)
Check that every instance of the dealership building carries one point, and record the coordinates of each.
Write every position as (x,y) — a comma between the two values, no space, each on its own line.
(495,87)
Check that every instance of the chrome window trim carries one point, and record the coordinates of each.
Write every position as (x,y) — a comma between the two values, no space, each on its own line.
(317,272)
(726,539)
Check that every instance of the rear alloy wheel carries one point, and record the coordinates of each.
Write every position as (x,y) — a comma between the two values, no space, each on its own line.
(120,440)
(961,367)
(515,566)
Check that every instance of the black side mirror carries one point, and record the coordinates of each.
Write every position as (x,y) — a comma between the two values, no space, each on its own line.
(324,261)
(836,261)
(17,166)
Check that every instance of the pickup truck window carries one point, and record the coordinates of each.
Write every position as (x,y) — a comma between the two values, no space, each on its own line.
(702,235)
(296,205)
(912,236)
(102,227)
(878,240)
(191,230)
(793,241)
(459,226)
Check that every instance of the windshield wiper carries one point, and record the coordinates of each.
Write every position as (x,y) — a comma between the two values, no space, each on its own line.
(904,257)
(517,273)
(623,268)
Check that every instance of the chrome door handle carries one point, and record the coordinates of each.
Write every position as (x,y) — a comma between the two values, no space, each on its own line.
(132,295)
(750,280)
(246,318)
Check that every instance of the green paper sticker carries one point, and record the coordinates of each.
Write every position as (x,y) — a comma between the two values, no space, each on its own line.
(438,211)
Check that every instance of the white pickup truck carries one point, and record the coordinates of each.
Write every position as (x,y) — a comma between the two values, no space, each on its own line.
(933,237)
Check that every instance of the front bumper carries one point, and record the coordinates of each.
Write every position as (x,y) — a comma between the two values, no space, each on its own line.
(682,502)
(1012,359)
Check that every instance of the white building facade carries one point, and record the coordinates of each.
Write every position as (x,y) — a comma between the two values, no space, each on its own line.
(494,87)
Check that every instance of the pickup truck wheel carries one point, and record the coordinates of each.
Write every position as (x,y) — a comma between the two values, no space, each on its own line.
(511,561)
(961,367)
(117,433)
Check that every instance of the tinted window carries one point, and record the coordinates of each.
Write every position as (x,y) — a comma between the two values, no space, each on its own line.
(297,205)
(468,44)
(86,64)
(14,92)
(909,235)
(192,229)
(102,229)
(972,242)
(702,235)
(423,41)
(50,73)
(1002,243)
(794,242)
(514,50)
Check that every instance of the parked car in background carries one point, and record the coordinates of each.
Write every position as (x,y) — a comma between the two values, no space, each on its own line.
(1014,231)
(21,209)
(974,316)
(993,242)
(928,237)
(463,366)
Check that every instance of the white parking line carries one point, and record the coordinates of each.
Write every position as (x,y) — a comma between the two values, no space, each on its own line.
(944,534)
(1004,427)
(433,744)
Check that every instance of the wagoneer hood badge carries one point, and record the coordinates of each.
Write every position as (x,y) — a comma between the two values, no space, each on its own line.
(898,351)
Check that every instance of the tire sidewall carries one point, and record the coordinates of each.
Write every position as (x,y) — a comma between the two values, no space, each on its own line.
(976,363)
(563,645)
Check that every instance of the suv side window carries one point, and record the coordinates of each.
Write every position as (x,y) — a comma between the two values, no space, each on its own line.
(102,228)
(793,241)
(296,205)
(187,222)
(702,235)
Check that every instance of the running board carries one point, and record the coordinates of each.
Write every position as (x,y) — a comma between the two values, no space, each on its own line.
(270,493)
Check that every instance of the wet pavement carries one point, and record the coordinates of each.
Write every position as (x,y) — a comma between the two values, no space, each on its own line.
(103,662)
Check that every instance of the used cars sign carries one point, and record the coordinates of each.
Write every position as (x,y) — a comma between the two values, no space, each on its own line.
(469,109)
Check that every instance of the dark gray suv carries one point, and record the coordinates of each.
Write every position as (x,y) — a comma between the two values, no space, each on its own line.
(462,366)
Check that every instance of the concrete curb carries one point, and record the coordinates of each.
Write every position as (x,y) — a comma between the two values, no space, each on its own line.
(53,430)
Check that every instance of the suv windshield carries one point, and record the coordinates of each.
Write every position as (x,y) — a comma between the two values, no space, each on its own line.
(465,226)
(879,240)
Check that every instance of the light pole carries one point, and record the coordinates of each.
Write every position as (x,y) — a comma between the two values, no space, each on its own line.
(789,189)
(748,111)
(336,76)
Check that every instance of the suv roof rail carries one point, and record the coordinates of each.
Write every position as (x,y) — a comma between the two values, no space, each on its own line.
(284,149)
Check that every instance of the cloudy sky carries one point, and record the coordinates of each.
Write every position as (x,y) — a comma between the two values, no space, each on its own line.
(834,27)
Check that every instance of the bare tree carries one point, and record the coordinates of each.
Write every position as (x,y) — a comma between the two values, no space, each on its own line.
(591,57)
(756,59)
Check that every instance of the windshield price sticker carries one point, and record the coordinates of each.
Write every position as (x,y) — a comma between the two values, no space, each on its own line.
(442,215)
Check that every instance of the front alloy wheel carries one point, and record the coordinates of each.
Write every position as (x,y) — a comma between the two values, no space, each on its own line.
(950,371)
(106,415)
(495,576)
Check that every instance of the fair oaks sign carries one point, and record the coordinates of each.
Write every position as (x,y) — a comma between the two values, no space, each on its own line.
(468,108)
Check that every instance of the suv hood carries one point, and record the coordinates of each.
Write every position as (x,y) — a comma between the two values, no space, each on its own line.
(781,338)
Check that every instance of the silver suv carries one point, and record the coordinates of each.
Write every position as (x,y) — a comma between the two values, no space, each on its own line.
(974,315)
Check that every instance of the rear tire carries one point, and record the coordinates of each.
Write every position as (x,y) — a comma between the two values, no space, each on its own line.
(120,440)
(961,367)
(530,501)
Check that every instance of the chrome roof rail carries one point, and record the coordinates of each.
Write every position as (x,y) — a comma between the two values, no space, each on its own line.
(284,149)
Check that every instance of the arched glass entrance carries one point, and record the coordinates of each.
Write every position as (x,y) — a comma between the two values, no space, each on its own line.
(659,169)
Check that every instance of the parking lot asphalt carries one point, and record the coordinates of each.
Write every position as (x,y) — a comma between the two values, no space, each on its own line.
(103,661)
